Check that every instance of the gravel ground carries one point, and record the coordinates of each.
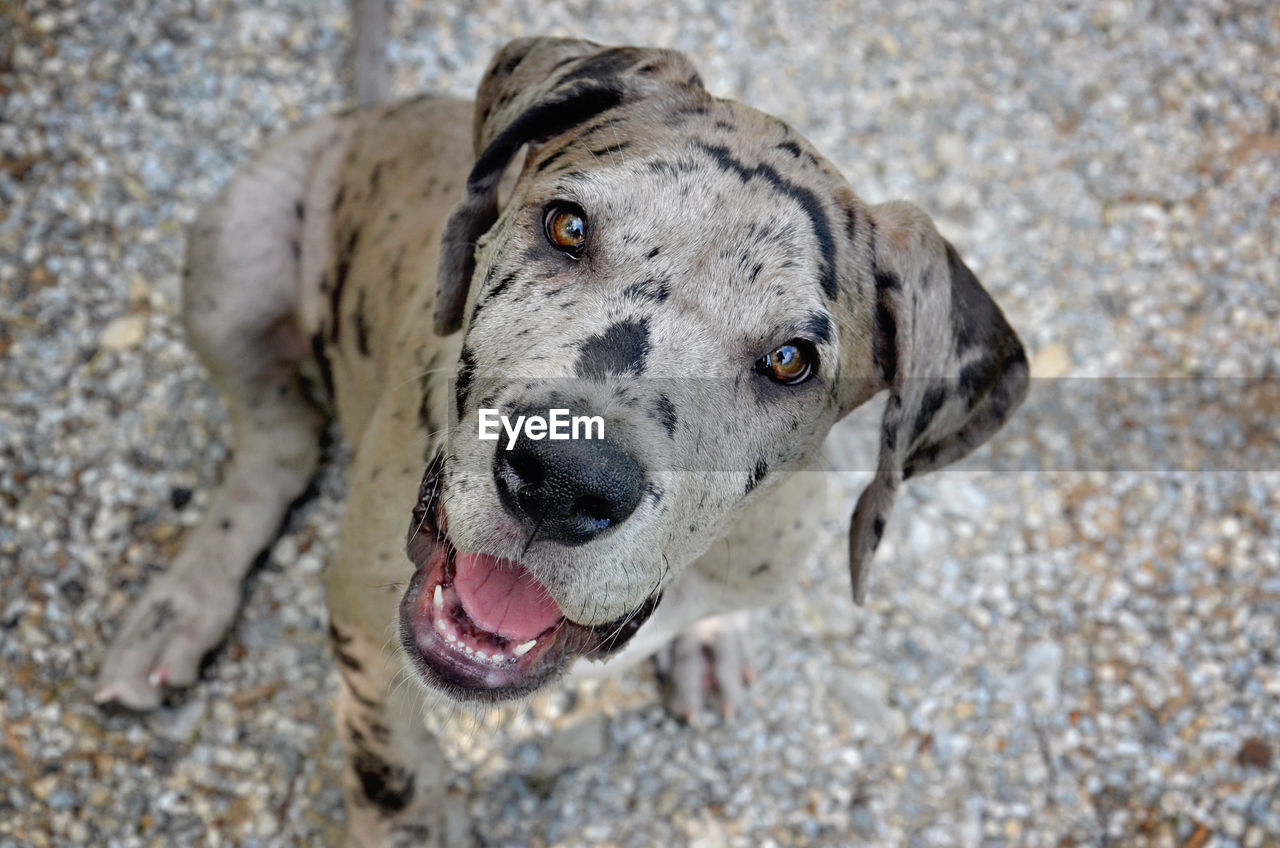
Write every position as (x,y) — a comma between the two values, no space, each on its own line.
(1058,649)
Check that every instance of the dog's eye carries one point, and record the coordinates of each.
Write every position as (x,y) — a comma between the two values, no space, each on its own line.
(566,227)
(789,364)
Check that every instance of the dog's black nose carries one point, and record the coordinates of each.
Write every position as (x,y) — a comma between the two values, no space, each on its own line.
(570,490)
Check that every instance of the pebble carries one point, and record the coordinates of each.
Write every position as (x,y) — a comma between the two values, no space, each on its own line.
(123,332)
(1051,362)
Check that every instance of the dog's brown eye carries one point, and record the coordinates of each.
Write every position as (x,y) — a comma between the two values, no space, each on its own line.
(790,364)
(566,227)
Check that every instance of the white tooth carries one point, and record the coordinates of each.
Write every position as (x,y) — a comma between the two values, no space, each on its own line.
(438,600)
(499,657)
(467,648)
(440,625)
(521,650)
(451,637)
(482,655)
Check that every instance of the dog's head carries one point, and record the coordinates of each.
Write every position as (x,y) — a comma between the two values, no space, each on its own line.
(692,275)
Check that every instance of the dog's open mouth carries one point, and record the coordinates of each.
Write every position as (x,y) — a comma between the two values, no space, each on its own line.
(484,628)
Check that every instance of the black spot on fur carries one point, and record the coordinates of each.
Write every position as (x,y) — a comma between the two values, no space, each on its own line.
(546,163)
(975,318)
(509,64)
(611,149)
(890,437)
(884,352)
(499,287)
(680,116)
(162,612)
(596,128)
(567,60)
(653,253)
(932,401)
(606,63)
(664,412)
(886,281)
(670,168)
(976,378)
(543,120)
(761,469)
(347,659)
(225,524)
(462,383)
(791,147)
(299,211)
(850,223)
(361,323)
(621,349)
(342,264)
(807,200)
(385,785)
(322,362)
(363,700)
(655,290)
(877,527)
(817,328)
(758,570)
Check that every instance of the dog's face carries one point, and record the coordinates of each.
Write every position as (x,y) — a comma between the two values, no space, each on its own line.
(692,275)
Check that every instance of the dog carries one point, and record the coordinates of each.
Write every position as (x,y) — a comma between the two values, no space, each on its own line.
(595,234)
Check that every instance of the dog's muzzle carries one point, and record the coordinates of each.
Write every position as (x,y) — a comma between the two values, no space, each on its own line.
(484,628)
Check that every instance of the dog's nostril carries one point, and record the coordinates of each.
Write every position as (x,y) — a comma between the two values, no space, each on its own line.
(527,468)
(594,509)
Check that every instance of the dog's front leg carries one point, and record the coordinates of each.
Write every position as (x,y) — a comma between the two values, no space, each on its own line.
(395,777)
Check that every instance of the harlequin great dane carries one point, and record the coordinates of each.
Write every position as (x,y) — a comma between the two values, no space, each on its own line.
(598,234)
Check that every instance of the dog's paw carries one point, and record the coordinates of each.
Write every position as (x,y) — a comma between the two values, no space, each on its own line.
(708,662)
(164,637)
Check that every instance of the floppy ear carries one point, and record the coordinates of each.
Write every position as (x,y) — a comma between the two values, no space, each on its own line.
(534,89)
(955,369)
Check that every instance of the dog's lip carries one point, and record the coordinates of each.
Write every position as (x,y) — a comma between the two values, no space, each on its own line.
(452,652)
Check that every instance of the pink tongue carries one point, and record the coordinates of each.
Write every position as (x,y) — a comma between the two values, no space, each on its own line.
(503,598)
